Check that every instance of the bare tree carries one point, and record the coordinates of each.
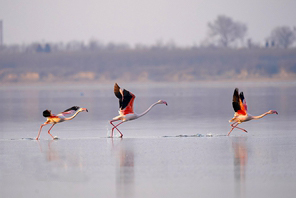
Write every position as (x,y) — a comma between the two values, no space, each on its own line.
(227,30)
(283,36)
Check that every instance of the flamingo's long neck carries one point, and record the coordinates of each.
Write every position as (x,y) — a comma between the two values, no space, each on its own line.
(73,116)
(260,116)
(140,115)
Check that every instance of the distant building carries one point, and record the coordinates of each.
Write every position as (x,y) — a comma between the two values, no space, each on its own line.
(266,44)
(42,48)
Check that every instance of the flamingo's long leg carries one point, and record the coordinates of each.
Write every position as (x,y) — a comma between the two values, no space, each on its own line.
(42,125)
(232,128)
(242,129)
(239,127)
(118,129)
(50,129)
(111,122)
(234,125)
(115,127)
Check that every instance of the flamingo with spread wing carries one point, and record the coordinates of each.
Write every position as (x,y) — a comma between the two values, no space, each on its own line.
(126,111)
(241,114)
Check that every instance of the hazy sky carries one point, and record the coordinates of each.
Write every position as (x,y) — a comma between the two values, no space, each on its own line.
(136,21)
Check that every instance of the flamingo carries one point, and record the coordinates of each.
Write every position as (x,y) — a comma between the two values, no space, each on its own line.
(54,119)
(126,111)
(241,111)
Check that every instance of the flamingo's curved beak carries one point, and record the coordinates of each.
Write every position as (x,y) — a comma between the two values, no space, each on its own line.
(84,109)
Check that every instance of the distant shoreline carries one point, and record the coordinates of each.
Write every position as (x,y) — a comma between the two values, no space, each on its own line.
(108,84)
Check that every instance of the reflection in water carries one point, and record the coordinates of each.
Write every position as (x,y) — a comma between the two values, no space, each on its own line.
(88,161)
(240,162)
(125,173)
(61,165)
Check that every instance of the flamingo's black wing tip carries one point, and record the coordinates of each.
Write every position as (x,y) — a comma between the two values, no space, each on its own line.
(117,91)
(75,108)
(235,97)
(241,95)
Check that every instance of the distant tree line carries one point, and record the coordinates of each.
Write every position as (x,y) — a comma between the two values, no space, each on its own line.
(225,32)
(217,58)
(148,64)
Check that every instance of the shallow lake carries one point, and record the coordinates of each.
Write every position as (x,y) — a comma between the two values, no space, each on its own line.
(179,150)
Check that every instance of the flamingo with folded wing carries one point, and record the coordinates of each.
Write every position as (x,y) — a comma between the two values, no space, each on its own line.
(54,119)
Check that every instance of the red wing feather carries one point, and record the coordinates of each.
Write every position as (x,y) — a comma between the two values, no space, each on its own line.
(126,99)
(243,103)
(237,102)
(130,106)
(53,116)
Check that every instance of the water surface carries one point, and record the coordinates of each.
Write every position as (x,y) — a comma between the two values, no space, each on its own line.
(179,150)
